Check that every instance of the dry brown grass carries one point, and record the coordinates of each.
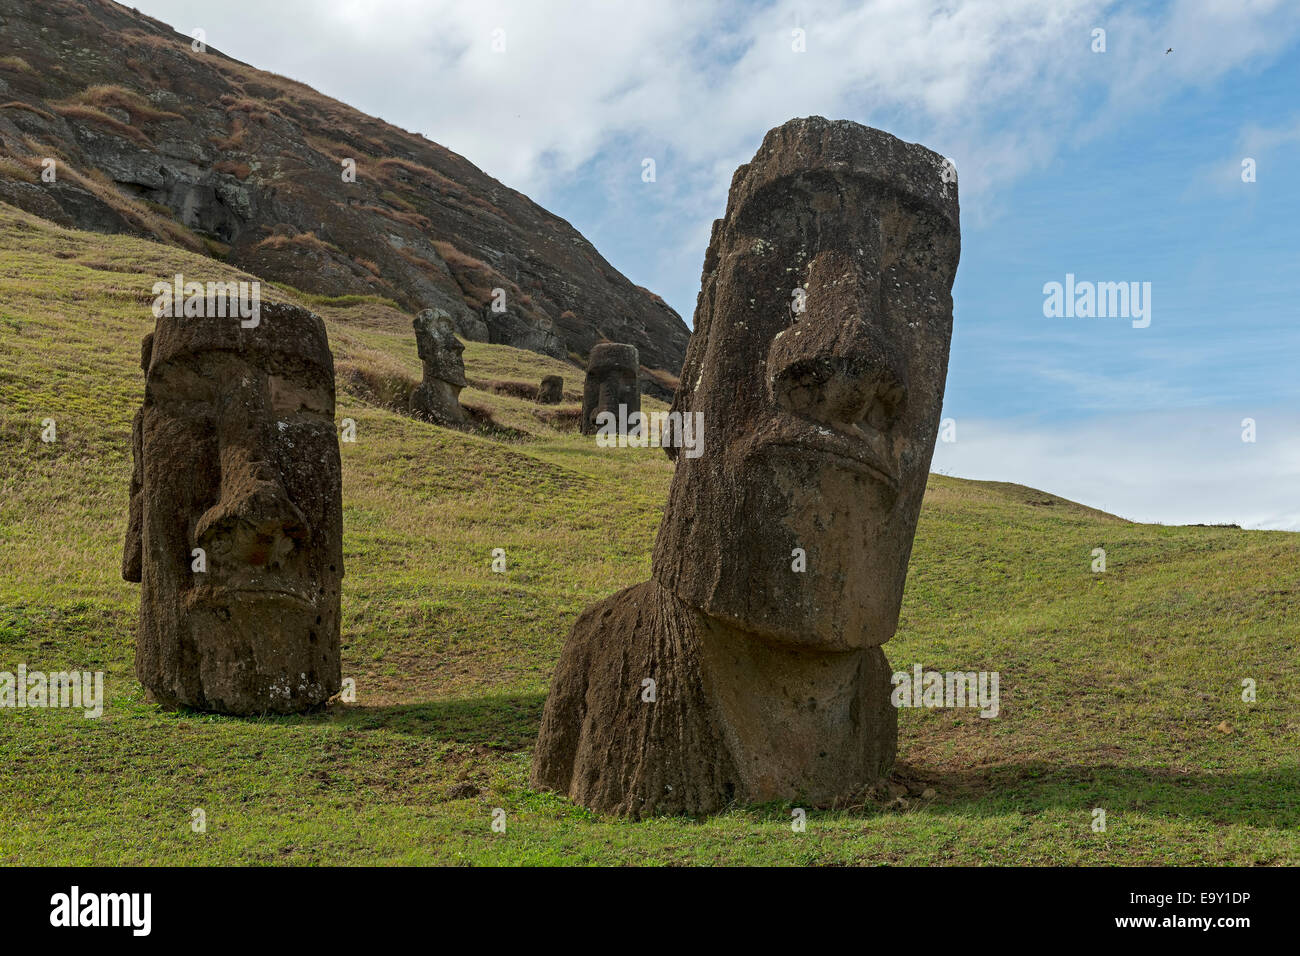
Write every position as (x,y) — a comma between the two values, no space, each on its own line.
(105,96)
(15,64)
(20,105)
(406,218)
(36,148)
(457,259)
(231,167)
(474,276)
(652,295)
(17,169)
(257,110)
(424,265)
(515,389)
(388,169)
(664,378)
(78,112)
(135,212)
(565,418)
(303,240)
(238,138)
(377,379)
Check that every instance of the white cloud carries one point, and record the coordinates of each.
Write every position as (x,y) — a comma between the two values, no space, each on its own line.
(706,80)
(1188,467)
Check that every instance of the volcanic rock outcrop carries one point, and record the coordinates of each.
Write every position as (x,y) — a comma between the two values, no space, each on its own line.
(611,382)
(235,530)
(437,397)
(159,136)
(750,668)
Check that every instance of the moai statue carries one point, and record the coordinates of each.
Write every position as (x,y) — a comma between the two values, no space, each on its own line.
(235,530)
(749,668)
(551,391)
(437,398)
(612,381)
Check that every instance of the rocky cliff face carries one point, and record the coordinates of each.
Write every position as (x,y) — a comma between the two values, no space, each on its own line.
(146,135)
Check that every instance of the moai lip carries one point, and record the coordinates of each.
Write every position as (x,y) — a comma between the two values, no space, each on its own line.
(236,521)
(613,379)
(818,360)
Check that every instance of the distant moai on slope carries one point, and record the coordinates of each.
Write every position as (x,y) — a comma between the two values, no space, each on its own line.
(551,391)
(437,397)
(235,530)
(749,668)
(613,371)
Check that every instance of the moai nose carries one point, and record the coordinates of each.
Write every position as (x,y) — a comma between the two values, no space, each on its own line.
(254,522)
(836,363)
(843,377)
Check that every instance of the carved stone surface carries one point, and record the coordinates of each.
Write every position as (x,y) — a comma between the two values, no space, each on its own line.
(437,397)
(551,391)
(818,360)
(236,454)
(612,380)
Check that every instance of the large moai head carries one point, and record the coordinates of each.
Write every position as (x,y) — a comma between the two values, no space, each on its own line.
(236,454)
(818,359)
(612,380)
(438,395)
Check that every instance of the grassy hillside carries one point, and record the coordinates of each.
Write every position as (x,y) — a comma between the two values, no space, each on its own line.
(1119,690)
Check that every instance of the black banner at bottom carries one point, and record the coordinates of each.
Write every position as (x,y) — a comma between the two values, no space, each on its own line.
(239,906)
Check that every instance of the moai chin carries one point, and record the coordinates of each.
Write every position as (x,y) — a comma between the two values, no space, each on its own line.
(818,360)
(612,380)
(551,391)
(235,531)
(437,397)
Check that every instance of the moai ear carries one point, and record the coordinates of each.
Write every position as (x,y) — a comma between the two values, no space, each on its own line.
(131,551)
(670,440)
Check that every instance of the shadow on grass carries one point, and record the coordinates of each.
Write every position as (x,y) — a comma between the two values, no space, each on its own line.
(1263,798)
(1269,797)
(501,721)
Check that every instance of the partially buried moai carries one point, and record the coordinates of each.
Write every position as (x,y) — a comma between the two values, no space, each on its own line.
(437,397)
(612,381)
(749,668)
(551,391)
(235,530)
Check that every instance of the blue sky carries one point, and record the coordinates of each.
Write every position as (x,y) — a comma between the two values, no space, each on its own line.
(1123,165)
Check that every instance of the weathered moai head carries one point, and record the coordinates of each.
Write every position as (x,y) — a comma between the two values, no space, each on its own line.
(236,454)
(818,359)
(438,395)
(612,380)
(551,391)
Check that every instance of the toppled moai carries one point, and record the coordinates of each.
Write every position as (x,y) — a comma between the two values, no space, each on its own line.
(551,391)
(437,397)
(612,381)
(750,668)
(235,530)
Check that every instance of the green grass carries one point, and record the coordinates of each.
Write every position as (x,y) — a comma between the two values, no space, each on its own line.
(1119,690)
